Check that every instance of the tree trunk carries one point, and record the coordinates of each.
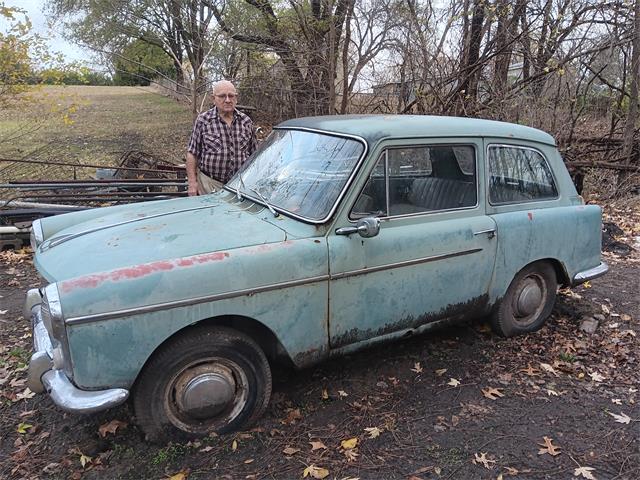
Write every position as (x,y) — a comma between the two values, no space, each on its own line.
(630,156)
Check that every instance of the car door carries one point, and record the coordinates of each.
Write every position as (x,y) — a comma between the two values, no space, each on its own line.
(434,255)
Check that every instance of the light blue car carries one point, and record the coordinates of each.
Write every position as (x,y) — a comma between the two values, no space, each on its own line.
(341,232)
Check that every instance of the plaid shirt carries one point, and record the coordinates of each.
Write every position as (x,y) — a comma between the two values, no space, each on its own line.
(221,149)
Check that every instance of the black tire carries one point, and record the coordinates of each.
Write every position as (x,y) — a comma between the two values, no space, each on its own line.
(209,379)
(527,302)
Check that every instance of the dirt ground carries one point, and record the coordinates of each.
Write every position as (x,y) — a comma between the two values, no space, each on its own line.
(457,403)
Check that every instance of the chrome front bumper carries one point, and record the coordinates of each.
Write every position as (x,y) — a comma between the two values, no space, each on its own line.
(590,274)
(43,376)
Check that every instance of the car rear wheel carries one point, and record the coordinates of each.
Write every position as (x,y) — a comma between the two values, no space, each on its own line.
(528,301)
(209,379)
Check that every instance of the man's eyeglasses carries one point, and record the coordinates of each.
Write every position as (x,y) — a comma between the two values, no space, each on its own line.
(230,96)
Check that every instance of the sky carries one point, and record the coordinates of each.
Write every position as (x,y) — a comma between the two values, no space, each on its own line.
(54,35)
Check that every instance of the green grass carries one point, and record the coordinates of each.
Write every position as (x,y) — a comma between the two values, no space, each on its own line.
(104,123)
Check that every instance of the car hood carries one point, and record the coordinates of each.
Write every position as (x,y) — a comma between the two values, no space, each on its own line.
(138,234)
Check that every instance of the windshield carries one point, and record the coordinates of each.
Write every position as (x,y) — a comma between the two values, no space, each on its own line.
(300,172)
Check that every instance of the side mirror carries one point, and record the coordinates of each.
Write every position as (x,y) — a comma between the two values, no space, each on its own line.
(366,227)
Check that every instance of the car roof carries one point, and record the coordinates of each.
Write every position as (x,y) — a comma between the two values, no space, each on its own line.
(377,127)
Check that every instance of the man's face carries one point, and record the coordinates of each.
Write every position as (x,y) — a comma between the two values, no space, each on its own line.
(225,97)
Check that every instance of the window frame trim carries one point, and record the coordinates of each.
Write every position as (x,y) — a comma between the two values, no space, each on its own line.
(521,147)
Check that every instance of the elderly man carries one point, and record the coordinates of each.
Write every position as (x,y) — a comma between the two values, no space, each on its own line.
(221,141)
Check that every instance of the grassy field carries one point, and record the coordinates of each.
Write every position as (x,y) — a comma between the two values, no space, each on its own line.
(90,125)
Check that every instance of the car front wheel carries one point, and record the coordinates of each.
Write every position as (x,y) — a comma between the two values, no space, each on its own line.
(209,379)
(527,302)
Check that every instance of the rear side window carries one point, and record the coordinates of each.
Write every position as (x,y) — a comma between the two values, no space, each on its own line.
(519,174)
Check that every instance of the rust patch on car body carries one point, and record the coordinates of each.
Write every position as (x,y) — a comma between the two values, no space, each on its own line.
(137,271)
(310,357)
(455,312)
(530,215)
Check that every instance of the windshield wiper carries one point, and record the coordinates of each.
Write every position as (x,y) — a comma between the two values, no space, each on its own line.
(275,214)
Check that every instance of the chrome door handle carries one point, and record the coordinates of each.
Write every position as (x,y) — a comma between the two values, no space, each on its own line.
(491,232)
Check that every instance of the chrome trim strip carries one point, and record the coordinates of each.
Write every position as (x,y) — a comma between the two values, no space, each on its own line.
(489,230)
(53,242)
(590,274)
(58,327)
(192,301)
(32,299)
(406,263)
(38,235)
(355,170)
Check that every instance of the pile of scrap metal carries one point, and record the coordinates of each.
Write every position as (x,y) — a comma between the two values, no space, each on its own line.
(137,177)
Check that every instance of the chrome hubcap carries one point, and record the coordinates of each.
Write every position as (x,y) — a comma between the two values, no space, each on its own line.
(205,391)
(529,297)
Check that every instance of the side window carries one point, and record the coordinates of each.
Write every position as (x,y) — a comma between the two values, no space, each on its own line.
(419,179)
(519,174)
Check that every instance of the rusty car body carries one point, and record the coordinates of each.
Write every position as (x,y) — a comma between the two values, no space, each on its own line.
(340,232)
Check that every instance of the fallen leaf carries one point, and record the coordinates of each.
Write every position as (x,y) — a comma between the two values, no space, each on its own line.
(422,470)
(315,472)
(552,392)
(26,394)
(290,451)
(616,401)
(179,476)
(206,449)
(23,427)
(548,368)
(84,459)
(549,447)
(351,455)
(2,312)
(293,415)
(342,393)
(441,371)
(249,460)
(586,285)
(482,459)
(417,367)
(605,309)
(234,445)
(596,377)
(437,470)
(532,372)
(454,382)
(622,418)
(373,432)
(512,471)
(317,446)
(349,444)
(110,427)
(325,394)
(584,472)
(625,318)
(492,393)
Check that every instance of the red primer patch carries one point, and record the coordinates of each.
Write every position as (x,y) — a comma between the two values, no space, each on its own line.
(137,271)
(530,215)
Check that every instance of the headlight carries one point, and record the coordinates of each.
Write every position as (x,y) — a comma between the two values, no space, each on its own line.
(36,236)
(54,322)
